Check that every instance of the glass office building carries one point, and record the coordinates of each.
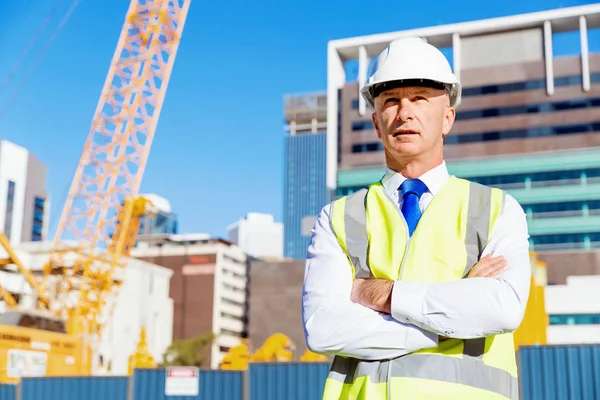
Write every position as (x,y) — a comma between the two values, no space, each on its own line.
(305,192)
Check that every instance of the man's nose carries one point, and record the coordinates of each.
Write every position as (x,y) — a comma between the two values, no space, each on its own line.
(405,110)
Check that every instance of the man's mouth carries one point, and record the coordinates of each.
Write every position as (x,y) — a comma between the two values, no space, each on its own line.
(405,132)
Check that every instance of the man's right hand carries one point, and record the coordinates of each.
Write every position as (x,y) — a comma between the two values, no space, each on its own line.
(488,267)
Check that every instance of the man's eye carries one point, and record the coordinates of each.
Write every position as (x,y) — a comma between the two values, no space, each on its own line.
(391,100)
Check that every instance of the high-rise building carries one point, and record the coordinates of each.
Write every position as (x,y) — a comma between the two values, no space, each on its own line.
(162,221)
(24,203)
(305,192)
(529,121)
(274,301)
(258,235)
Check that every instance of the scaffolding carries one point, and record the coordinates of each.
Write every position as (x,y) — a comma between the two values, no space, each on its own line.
(305,112)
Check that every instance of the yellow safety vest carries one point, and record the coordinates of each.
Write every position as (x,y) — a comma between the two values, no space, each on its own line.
(446,244)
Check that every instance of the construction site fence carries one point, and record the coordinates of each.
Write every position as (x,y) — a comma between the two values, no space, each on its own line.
(545,372)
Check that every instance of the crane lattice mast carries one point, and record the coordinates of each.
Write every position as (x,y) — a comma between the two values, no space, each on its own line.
(91,244)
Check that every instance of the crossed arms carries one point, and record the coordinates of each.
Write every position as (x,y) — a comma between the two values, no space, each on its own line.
(376,319)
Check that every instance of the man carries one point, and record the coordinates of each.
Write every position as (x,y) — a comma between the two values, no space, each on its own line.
(384,291)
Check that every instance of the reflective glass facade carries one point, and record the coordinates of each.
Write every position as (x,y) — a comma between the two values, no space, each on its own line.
(162,223)
(8,215)
(305,190)
(574,319)
(37,229)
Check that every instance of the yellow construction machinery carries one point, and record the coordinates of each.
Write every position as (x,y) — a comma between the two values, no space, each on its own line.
(79,283)
(141,358)
(534,327)
(277,348)
(309,356)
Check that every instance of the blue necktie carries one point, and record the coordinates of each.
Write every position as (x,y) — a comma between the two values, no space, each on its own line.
(412,190)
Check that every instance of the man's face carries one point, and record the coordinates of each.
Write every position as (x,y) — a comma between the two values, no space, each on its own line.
(412,121)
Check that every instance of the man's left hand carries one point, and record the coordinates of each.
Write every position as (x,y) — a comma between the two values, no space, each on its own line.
(373,293)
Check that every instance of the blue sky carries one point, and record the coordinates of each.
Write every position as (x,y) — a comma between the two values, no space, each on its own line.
(218,149)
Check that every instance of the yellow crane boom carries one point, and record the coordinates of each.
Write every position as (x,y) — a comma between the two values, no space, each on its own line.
(85,267)
(101,216)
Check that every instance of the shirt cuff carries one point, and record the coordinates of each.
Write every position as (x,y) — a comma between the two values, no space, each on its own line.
(407,302)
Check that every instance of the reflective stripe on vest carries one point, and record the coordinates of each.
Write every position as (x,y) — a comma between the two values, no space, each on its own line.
(465,371)
(366,225)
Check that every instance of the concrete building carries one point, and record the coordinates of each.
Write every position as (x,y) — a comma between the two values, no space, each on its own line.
(275,302)
(208,287)
(143,300)
(305,191)
(24,203)
(562,264)
(258,235)
(574,311)
(529,122)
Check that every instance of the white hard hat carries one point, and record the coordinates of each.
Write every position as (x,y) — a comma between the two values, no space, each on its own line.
(411,61)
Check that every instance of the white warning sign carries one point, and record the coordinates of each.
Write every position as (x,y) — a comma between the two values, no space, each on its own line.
(182,381)
(22,363)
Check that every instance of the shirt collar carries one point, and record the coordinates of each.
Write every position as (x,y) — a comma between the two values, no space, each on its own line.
(434,179)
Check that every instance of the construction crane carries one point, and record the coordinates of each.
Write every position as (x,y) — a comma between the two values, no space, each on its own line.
(100,219)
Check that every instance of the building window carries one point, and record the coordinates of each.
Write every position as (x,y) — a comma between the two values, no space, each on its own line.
(528,109)
(565,241)
(159,223)
(10,199)
(367,147)
(540,131)
(362,125)
(575,319)
(539,179)
(564,209)
(37,228)
(231,316)
(228,332)
(536,84)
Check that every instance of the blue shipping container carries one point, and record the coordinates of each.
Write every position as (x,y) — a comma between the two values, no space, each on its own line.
(560,372)
(75,388)
(289,381)
(149,384)
(8,392)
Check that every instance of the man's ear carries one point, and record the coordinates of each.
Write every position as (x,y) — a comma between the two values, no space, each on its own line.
(448,120)
(376,124)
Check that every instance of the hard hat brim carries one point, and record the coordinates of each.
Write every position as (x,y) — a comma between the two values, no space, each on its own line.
(371,91)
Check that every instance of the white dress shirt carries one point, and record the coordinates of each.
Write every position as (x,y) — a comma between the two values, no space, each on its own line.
(466,308)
